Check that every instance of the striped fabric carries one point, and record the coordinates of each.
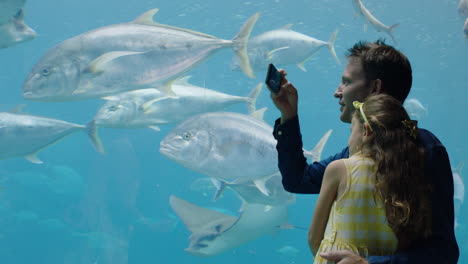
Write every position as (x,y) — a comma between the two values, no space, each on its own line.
(357,219)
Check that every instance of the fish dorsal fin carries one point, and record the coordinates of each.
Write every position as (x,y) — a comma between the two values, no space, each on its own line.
(259,113)
(155,128)
(286,27)
(20,14)
(111,98)
(18,109)
(196,218)
(146,18)
(98,65)
(183,80)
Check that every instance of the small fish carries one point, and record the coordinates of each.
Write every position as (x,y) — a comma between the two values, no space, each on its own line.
(465,28)
(152,108)
(379,26)
(25,135)
(284,46)
(13,30)
(463,8)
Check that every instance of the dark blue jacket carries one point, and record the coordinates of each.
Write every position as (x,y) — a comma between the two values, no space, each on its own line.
(304,178)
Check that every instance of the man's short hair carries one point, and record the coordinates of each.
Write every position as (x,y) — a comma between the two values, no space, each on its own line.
(384,62)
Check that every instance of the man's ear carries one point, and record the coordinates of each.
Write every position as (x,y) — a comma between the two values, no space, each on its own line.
(377,87)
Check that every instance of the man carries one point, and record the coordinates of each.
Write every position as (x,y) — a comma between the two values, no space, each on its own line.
(372,68)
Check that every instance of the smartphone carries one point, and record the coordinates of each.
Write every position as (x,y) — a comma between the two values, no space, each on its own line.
(273,79)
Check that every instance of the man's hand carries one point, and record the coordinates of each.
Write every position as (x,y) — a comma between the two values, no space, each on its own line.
(286,99)
(343,257)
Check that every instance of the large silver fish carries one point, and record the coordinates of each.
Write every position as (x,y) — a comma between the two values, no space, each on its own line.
(463,8)
(214,233)
(283,46)
(13,30)
(228,146)
(25,135)
(151,108)
(372,20)
(123,57)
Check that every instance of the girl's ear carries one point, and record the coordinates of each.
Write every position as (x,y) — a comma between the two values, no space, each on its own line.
(367,132)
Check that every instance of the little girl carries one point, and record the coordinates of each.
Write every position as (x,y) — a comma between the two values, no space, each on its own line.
(376,201)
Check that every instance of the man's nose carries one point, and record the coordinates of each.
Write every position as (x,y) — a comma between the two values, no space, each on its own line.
(338,92)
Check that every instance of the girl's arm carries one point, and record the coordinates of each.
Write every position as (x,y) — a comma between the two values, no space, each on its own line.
(334,172)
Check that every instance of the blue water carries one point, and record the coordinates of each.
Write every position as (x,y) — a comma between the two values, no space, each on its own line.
(84,207)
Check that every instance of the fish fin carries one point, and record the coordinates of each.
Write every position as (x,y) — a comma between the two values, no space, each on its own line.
(220,187)
(146,18)
(301,64)
(390,32)
(240,45)
(269,55)
(111,98)
(258,114)
(146,107)
(331,46)
(167,89)
(260,184)
(183,80)
(460,167)
(93,135)
(252,98)
(33,158)
(316,153)
(20,14)
(287,26)
(17,109)
(99,64)
(155,128)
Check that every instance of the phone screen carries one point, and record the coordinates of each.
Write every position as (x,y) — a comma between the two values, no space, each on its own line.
(273,79)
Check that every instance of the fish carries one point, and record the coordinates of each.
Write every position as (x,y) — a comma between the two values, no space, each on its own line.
(361,10)
(465,28)
(282,47)
(25,135)
(213,233)
(123,57)
(152,108)
(416,110)
(13,30)
(228,146)
(463,9)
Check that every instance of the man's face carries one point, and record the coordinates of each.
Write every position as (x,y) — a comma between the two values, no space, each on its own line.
(353,87)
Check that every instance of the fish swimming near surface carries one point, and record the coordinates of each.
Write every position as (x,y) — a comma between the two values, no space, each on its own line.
(213,233)
(284,46)
(416,110)
(151,107)
(123,57)
(13,30)
(373,21)
(229,147)
(25,135)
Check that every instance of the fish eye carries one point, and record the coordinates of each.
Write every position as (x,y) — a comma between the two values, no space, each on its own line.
(113,108)
(45,72)
(186,136)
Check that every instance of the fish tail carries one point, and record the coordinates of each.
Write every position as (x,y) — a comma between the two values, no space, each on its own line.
(93,135)
(252,98)
(390,32)
(316,153)
(240,44)
(331,46)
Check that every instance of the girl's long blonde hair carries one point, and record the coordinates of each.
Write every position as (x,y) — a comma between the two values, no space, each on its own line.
(399,158)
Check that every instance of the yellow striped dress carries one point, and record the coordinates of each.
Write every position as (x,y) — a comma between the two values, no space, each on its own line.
(357,220)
